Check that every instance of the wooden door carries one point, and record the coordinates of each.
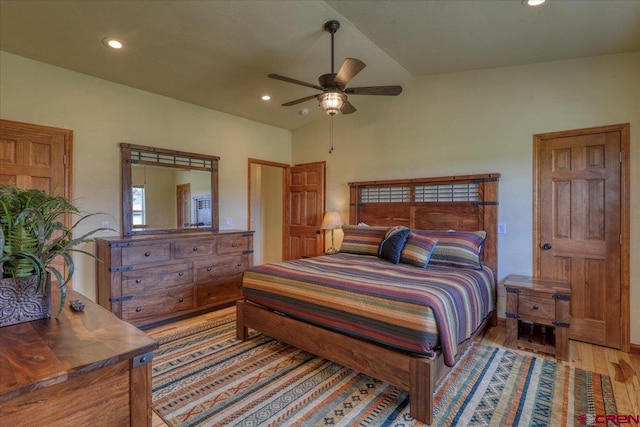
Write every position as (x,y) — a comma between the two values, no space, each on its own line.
(579,234)
(304,208)
(33,156)
(183,202)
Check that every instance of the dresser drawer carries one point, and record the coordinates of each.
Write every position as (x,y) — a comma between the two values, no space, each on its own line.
(207,271)
(158,303)
(156,278)
(219,293)
(194,248)
(232,244)
(537,306)
(146,254)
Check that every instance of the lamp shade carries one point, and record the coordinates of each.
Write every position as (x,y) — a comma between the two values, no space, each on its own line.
(331,221)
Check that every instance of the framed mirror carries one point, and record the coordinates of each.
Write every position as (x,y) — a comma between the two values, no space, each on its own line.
(167,191)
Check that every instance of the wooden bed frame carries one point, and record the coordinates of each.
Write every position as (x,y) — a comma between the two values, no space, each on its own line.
(463,203)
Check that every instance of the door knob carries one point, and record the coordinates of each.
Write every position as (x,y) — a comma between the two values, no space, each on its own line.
(547,246)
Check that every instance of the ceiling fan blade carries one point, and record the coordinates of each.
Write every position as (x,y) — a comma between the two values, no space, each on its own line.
(350,68)
(347,108)
(294,81)
(374,90)
(298,101)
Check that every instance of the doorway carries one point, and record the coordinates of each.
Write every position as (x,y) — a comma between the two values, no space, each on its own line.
(581,227)
(266,210)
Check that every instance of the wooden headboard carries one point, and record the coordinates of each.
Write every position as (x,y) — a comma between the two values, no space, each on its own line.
(463,202)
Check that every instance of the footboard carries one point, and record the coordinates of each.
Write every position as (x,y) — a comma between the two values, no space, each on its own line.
(415,374)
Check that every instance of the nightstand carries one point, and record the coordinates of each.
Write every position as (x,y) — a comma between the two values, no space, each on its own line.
(538,315)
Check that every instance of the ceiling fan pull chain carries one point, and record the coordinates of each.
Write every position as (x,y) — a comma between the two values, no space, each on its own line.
(331,134)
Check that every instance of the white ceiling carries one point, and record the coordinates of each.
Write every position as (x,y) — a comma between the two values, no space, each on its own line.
(217,54)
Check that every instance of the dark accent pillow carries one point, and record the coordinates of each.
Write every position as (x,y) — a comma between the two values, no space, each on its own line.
(362,240)
(417,250)
(393,242)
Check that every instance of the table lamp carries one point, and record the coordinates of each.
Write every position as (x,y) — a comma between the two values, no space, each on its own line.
(331,221)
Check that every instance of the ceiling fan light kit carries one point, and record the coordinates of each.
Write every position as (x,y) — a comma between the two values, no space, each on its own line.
(331,102)
(333,98)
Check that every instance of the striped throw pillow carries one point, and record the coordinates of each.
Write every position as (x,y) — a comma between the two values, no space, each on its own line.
(457,248)
(418,250)
(362,240)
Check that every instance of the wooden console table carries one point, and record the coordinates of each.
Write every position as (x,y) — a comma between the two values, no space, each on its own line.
(538,315)
(84,368)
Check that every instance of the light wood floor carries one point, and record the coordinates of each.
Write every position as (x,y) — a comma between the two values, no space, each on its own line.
(622,368)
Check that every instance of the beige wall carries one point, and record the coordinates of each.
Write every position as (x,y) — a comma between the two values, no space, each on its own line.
(103,114)
(479,122)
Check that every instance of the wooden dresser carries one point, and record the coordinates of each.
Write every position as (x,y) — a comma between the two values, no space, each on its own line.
(83,369)
(146,279)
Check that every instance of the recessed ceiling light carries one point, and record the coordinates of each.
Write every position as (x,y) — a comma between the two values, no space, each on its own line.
(113,43)
(532,2)
(265,97)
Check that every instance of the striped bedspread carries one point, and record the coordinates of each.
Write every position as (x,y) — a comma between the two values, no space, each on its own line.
(401,306)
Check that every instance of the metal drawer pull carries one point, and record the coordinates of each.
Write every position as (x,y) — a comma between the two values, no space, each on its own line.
(138,280)
(233,244)
(181,274)
(138,309)
(536,307)
(195,249)
(180,299)
(147,254)
(239,263)
(120,299)
(208,268)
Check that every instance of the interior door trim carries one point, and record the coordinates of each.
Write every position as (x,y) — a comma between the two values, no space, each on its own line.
(625,224)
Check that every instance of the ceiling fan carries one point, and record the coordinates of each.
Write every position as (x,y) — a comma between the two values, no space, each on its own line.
(333,98)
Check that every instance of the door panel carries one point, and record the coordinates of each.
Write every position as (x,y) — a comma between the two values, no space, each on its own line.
(32,159)
(579,233)
(304,208)
(33,156)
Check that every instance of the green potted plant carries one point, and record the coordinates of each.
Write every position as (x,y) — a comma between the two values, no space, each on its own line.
(35,244)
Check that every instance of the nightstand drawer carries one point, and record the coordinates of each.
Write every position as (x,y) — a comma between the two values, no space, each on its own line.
(539,307)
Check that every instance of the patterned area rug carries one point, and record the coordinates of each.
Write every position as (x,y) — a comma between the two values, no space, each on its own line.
(208,378)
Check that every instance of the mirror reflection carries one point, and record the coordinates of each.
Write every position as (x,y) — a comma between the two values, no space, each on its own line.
(164,198)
